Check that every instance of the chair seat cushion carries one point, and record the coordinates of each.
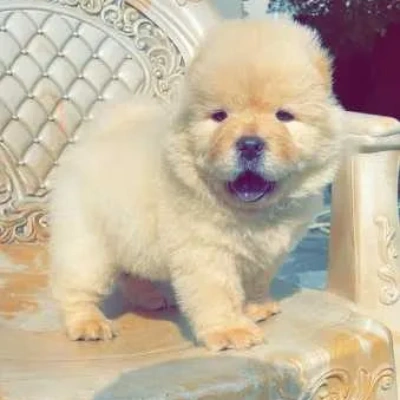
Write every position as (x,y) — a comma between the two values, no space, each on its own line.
(319,347)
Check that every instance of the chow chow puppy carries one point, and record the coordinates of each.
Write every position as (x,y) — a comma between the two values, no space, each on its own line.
(211,194)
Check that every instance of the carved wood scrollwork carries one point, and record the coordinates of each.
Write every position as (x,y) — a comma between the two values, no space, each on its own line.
(36,130)
(388,272)
(334,384)
(338,385)
(167,63)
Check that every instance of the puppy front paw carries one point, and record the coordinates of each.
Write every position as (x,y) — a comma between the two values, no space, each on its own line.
(239,337)
(89,328)
(261,311)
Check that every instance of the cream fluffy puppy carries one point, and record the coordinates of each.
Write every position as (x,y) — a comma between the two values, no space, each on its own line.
(211,197)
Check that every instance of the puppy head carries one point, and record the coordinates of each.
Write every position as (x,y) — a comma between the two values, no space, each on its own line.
(259,116)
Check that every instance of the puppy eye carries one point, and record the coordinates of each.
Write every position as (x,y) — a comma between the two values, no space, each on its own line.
(284,116)
(219,115)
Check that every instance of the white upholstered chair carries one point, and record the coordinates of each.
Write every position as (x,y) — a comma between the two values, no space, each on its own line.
(60,59)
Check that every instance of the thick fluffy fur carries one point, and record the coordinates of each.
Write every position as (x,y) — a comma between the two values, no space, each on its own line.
(145,191)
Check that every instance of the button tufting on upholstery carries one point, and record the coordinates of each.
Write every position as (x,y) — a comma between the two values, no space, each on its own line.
(58,67)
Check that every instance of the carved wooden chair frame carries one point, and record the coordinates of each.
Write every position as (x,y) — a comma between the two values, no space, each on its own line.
(144,45)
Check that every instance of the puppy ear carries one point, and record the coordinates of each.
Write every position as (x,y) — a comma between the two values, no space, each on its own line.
(323,63)
(321,57)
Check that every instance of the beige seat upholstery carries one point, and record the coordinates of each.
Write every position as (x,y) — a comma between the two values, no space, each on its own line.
(60,59)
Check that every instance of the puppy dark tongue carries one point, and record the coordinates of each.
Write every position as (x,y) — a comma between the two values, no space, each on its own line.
(250,187)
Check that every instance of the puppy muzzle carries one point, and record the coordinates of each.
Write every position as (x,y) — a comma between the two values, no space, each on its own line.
(250,183)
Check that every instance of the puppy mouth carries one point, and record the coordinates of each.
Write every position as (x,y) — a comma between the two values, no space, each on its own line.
(249,186)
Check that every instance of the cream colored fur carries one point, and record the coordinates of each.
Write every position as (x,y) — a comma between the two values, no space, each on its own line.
(144,191)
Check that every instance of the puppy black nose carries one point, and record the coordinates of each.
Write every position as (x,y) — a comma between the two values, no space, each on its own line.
(250,147)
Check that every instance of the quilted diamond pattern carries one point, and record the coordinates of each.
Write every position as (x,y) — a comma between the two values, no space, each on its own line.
(56,70)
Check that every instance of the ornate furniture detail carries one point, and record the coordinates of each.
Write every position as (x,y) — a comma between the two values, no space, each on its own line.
(364,260)
(62,59)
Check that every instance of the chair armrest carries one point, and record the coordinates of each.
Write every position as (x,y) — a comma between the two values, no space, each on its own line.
(363,251)
(373,133)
